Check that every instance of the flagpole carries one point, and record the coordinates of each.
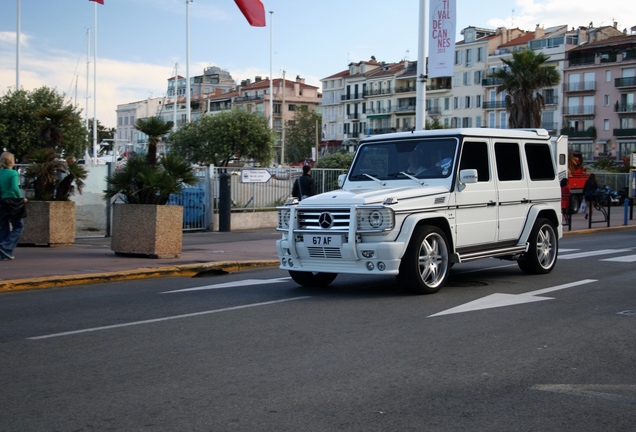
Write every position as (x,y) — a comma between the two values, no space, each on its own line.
(188,61)
(271,75)
(17,51)
(420,101)
(88,73)
(95,86)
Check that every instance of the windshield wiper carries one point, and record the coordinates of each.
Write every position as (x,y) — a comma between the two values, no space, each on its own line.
(363,175)
(412,177)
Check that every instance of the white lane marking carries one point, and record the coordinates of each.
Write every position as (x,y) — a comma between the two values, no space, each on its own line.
(561,250)
(593,253)
(156,320)
(616,393)
(246,282)
(626,258)
(501,300)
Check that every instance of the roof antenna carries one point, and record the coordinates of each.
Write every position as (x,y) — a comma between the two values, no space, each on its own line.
(512,19)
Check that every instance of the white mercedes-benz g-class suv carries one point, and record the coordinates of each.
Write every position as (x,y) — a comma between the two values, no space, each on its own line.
(414,203)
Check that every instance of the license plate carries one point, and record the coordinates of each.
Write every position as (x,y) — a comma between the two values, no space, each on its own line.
(323,240)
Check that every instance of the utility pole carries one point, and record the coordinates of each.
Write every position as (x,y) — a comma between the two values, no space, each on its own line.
(282,134)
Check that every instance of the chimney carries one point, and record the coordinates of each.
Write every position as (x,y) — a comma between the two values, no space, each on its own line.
(300,80)
(258,79)
(539,32)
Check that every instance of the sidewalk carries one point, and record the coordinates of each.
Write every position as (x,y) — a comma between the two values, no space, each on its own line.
(90,260)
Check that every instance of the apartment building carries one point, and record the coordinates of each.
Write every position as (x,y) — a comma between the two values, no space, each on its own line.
(128,138)
(599,88)
(378,97)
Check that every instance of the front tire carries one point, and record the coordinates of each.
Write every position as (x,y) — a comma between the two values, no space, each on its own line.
(425,265)
(542,253)
(312,279)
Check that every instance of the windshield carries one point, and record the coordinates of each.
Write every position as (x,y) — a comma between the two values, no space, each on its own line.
(423,159)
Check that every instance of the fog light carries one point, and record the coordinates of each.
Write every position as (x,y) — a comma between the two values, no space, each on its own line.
(284,261)
(290,262)
(368,254)
(370,266)
(381,266)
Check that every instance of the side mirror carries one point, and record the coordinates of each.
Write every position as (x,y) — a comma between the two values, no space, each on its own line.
(467,176)
(341,179)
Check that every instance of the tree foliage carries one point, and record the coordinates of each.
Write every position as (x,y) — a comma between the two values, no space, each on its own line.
(300,134)
(21,126)
(155,128)
(523,76)
(217,139)
(335,160)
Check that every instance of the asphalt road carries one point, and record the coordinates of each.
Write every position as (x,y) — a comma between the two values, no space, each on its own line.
(495,350)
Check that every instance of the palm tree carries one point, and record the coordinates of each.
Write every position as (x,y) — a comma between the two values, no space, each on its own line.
(53,122)
(155,128)
(525,74)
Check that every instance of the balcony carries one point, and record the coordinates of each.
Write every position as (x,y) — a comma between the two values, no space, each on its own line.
(584,86)
(579,110)
(377,92)
(494,105)
(491,82)
(249,98)
(404,89)
(354,96)
(354,116)
(625,82)
(625,132)
(404,108)
(589,133)
(625,108)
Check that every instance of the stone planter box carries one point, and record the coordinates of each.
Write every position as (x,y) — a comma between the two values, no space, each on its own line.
(49,223)
(151,230)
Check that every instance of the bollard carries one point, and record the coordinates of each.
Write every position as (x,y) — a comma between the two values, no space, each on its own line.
(225,203)
(626,211)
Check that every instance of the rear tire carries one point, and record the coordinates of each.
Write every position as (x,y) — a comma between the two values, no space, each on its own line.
(542,253)
(425,265)
(312,279)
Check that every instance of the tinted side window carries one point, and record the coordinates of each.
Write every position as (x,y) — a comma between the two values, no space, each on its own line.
(475,156)
(508,159)
(539,159)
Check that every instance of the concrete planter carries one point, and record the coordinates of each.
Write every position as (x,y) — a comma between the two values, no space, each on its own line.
(152,230)
(49,223)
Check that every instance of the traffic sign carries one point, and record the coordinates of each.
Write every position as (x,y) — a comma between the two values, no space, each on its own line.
(255,176)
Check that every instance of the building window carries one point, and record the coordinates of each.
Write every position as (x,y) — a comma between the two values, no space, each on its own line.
(606,100)
(478,102)
(480,54)
(291,107)
(458,57)
(608,76)
(606,124)
(467,102)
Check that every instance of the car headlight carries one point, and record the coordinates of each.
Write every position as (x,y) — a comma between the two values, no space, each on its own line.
(377,219)
(284,216)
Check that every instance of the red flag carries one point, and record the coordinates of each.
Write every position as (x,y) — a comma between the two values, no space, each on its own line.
(101,2)
(253,11)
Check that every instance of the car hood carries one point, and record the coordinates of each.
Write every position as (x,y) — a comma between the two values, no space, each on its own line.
(371,196)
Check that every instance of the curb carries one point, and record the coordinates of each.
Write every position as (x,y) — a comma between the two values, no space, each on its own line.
(186,270)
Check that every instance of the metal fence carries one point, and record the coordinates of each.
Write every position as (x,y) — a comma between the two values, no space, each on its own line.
(267,195)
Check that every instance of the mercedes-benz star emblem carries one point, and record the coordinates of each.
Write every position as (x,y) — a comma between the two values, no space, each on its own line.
(325,220)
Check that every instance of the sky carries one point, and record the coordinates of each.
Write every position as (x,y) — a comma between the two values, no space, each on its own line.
(140,41)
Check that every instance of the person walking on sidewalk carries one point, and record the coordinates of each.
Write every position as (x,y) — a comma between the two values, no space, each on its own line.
(305,185)
(11,225)
(589,191)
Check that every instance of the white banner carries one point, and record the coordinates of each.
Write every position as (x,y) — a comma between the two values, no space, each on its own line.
(441,42)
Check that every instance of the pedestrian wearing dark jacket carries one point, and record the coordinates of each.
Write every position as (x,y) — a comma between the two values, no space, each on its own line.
(589,191)
(304,186)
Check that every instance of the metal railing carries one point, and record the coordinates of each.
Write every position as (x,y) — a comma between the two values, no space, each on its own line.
(274,192)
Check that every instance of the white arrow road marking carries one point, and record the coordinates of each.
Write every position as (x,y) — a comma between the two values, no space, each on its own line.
(626,258)
(168,318)
(624,393)
(246,282)
(593,253)
(501,300)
